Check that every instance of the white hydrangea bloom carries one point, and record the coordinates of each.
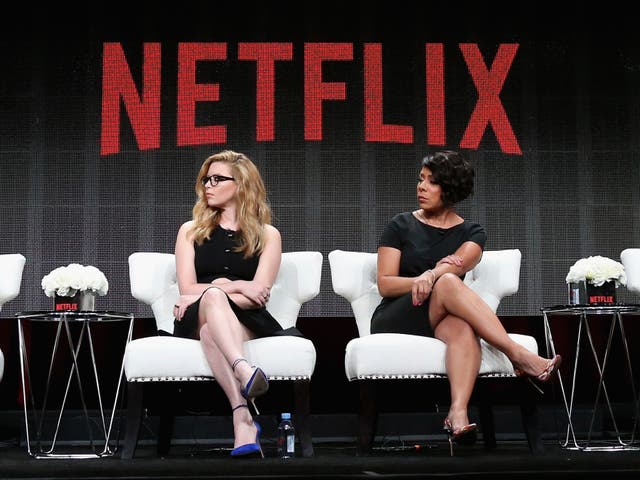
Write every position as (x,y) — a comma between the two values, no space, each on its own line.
(67,281)
(597,270)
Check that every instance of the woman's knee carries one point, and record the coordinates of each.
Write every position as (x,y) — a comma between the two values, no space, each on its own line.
(214,297)
(449,282)
(448,288)
(453,329)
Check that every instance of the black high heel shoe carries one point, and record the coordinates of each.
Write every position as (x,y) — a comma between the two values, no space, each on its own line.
(257,385)
(466,435)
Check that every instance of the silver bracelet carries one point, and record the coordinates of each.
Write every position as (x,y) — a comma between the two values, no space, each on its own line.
(433,280)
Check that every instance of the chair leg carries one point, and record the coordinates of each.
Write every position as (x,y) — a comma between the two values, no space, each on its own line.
(485,410)
(167,417)
(134,419)
(530,421)
(303,420)
(367,418)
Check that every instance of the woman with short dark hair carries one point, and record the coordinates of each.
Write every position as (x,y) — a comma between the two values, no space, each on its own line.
(423,256)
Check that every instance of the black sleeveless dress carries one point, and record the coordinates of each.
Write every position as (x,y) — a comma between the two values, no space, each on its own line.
(421,247)
(216,258)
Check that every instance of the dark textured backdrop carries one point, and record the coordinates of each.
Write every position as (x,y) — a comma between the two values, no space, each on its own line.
(572,96)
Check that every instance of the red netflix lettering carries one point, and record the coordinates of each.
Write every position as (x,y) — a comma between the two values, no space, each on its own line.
(434,63)
(60,307)
(315,90)
(265,56)
(601,299)
(117,83)
(143,105)
(374,128)
(489,109)
(190,92)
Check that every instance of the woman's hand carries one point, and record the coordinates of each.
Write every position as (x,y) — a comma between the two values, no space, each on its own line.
(245,293)
(256,292)
(422,286)
(181,305)
(451,260)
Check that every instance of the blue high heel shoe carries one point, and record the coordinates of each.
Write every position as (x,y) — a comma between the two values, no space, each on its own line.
(257,385)
(249,450)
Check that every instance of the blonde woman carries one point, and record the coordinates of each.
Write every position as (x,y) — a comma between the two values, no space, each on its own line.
(227,258)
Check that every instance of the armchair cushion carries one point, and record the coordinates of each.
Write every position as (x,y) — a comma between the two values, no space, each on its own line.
(165,358)
(168,358)
(396,355)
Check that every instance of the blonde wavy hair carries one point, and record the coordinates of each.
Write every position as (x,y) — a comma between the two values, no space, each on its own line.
(254,211)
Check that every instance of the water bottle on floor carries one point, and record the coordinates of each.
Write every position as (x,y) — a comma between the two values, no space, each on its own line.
(286,437)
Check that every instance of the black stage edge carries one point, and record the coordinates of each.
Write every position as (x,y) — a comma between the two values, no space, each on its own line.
(511,460)
(408,446)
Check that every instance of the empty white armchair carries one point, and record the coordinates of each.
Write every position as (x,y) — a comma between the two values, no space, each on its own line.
(172,359)
(392,356)
(630,259)
(11,267)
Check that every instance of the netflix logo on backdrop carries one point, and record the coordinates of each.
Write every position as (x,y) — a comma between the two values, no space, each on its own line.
(141,102)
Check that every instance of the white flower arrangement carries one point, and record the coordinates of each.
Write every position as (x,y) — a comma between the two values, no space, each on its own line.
(67,281)
(597,270)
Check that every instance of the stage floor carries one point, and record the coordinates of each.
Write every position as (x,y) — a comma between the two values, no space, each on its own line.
(511,460)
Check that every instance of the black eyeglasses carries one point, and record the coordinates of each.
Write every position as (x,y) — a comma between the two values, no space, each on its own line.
(215,180)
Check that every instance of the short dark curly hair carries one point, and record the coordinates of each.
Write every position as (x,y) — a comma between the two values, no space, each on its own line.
(453,173)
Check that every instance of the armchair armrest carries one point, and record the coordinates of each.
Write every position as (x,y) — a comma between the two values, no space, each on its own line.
(11,268)
(153,281)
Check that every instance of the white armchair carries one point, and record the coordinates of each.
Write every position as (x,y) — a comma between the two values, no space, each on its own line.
(630,259)
(172,359)
(391,356)
(11,268)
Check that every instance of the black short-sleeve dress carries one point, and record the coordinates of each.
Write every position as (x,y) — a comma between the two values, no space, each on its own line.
(216,258)
(421,247)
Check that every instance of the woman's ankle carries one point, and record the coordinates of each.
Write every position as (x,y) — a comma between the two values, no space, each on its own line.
(244,433)
(242,370)
(241,413)
(458,416)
